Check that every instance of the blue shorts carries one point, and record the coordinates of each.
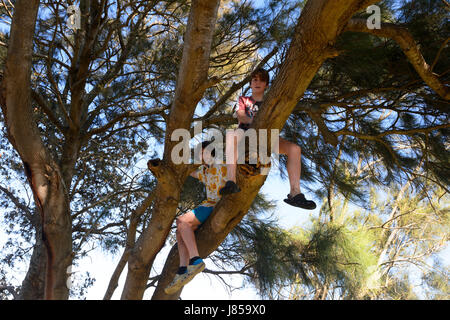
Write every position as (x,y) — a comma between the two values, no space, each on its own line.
(202,213)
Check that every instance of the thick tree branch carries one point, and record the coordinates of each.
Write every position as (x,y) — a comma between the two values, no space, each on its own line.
(192,78)
(315,112)
(130,241)
(404,39)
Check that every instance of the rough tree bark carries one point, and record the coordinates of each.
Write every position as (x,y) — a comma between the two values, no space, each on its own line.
(318,27)
(33,285)
(191,84)
(43,173)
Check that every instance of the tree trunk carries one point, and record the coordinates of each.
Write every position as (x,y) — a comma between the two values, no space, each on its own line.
(43,174)
(130,242)
(191,85)
(152,239)
(33,285)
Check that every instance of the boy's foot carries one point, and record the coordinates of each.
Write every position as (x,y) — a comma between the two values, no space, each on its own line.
(196,265)
(229,188)
(300,201)
(177,283)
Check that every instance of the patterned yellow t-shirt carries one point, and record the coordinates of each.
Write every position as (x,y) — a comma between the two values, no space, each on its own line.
(214,178)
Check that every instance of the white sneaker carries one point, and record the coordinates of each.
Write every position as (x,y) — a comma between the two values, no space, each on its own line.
(176,284)
(180,280)
(195,269)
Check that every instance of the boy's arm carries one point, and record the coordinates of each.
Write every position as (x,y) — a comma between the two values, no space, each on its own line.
(241,113)
(243,117)
(194,174)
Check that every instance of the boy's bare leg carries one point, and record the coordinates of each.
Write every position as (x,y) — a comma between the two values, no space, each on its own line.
(187,246)
(186,225)
(295,197)
(293,153)
(182,250)
(231,155)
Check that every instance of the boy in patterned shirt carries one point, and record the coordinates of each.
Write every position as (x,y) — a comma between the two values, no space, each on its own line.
(213,176)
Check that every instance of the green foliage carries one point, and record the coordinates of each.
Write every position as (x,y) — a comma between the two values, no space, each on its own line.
(339,256)
(364,253)
(272,256)
(437,283)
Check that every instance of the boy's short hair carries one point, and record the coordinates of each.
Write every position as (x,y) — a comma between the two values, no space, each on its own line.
(262,74)
(198,150)
(207,143)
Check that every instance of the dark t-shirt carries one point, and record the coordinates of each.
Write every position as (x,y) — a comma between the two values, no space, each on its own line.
(249,105)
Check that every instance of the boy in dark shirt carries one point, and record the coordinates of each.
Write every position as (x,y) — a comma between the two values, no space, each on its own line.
(247,108)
